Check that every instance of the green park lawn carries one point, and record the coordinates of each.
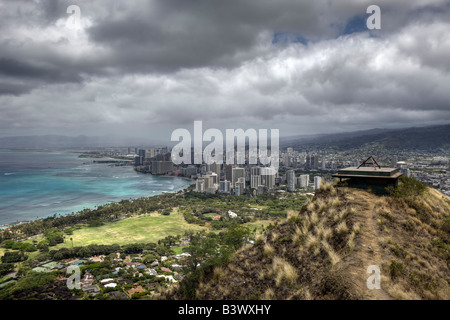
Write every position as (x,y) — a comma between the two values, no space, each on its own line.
(138,229)
(143,229)
(258,224)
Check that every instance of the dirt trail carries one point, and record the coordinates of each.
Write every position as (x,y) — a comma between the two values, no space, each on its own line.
(367,250)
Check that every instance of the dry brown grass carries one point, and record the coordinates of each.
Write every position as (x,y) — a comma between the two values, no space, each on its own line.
(268,294)
(311,241)
(260,238)
(335,202)
(327,186)
(327,233)
(351,241)
(218,273)
(274,236)
(398,291)
(342,228)
(319,230)
(291,214)
(269,250)
(356,228)
(308,295)
(321,205)
(306,224)
(314,218)
(297,236)
(261,275)
(283,271)
(310,206)
(334,257)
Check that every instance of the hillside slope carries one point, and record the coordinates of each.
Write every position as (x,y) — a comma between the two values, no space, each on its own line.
(324,252)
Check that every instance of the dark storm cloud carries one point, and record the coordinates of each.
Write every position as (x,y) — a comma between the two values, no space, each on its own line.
(20,69)
(150,65)
(20,77)
(168,35)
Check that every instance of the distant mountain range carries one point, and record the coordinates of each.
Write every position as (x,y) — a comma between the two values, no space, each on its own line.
(59,141)
(416,138)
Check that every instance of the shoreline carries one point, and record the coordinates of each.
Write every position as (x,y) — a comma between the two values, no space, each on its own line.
(6,226)
(69,211)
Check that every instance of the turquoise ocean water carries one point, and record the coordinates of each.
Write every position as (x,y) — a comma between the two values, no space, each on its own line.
(38,184)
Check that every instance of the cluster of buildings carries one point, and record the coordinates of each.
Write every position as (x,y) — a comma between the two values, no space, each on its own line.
(304,170)
(256,180)
(156,161)
(302,181)
(229,179)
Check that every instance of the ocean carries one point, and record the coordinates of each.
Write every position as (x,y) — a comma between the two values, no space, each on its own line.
(37,184)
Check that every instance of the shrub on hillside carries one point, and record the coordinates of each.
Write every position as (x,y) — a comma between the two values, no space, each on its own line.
(408,187)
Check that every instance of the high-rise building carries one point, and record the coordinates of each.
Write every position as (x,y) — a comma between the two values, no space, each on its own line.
(324,164)
(237,190)
(241,186)
(394,162)
(162,167)
(229,172)
(138,161)
(255,171)
(260,189)
(215,167)
(290,177)
(141,153)
(268,177)
(200,185)
(317,182)
(255,181)
(406,172)
(304,181)
(312,161)
(190,171)
(151,153)
(225,186)
(214,178)
(237,173)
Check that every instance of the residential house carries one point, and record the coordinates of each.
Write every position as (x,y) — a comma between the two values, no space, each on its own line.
(87,280)
(152,272)
(136,288)
(91,289)
(106,281)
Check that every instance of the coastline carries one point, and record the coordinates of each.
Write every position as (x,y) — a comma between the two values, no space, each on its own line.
(122,189)
(6,226)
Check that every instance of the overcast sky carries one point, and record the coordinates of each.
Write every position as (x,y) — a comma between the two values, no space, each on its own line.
(145,68)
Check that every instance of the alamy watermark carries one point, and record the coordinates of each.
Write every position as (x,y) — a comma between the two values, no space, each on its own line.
(258,149)
(374,280)
(374,20)
(74,20)
(73,282)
